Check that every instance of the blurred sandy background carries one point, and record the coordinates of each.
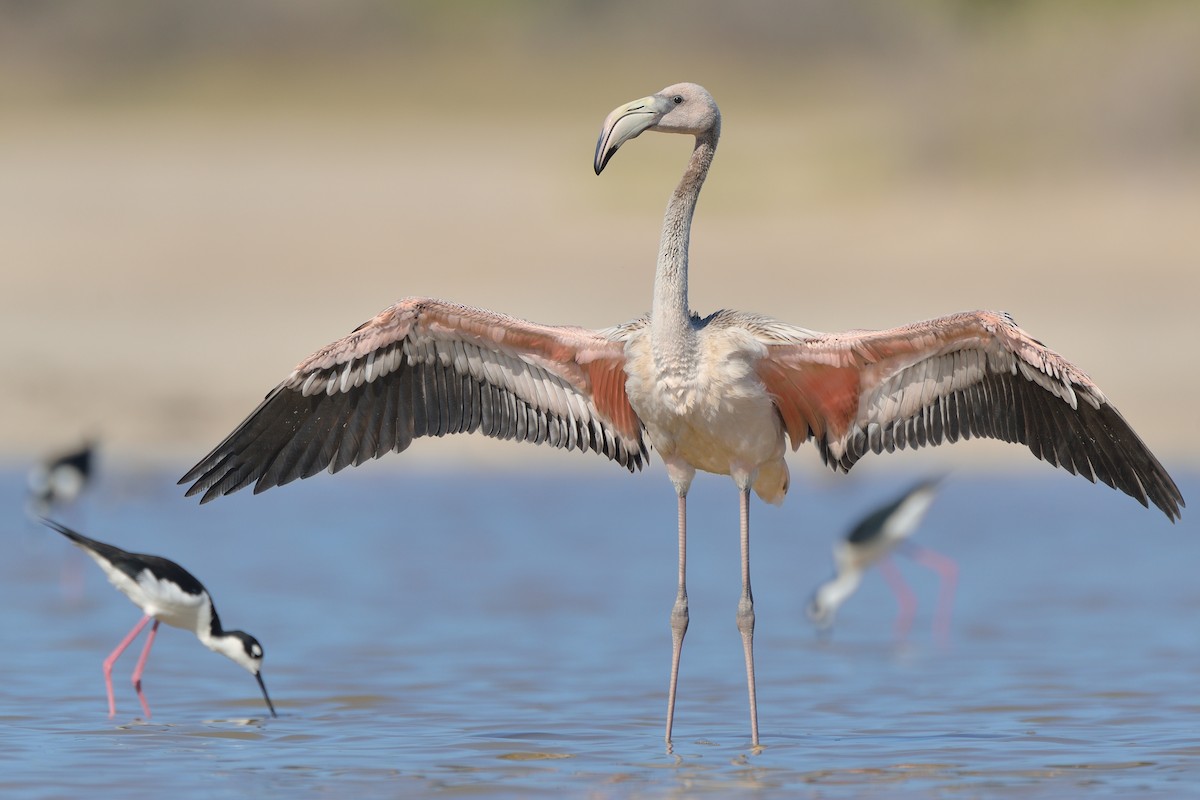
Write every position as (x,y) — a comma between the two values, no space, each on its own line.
(195,195)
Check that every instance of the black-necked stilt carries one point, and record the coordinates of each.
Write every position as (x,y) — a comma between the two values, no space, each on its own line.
(59,480)
(168,593)
(872,541)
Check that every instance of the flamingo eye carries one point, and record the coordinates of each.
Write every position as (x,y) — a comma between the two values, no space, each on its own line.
(677,99)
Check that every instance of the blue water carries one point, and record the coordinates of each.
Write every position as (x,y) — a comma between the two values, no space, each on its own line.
(504,633)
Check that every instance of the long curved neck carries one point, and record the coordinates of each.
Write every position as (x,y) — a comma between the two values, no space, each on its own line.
(670,314)
(208,625)
(835,592)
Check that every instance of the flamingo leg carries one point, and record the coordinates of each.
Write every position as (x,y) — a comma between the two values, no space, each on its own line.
(141,666)
(679,614)
(745,615)
(112,659)
(904,596)
(947,570)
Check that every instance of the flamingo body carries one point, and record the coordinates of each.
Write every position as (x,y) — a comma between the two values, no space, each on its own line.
(711,413)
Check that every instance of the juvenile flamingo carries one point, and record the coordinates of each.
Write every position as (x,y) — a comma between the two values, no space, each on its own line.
(725,393)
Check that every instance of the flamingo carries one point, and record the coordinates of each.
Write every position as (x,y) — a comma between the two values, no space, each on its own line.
(724,393)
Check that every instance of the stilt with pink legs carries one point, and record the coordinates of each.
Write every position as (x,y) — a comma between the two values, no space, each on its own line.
(166,592)
(886,530)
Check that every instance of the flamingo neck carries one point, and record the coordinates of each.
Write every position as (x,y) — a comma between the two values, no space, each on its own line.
(670,314)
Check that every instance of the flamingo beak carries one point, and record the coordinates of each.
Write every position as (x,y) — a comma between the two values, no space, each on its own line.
(624,123)
(266,697)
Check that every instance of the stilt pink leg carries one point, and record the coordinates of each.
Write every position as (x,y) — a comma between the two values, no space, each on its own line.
(904,596)
(112,659)
(141,665)
(947,571)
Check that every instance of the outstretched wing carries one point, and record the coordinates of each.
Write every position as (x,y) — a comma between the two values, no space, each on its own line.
(428,368)
(969,374)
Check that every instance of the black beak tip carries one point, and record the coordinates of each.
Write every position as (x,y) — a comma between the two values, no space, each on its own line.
(603,159)
(267,697)
(603,154)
